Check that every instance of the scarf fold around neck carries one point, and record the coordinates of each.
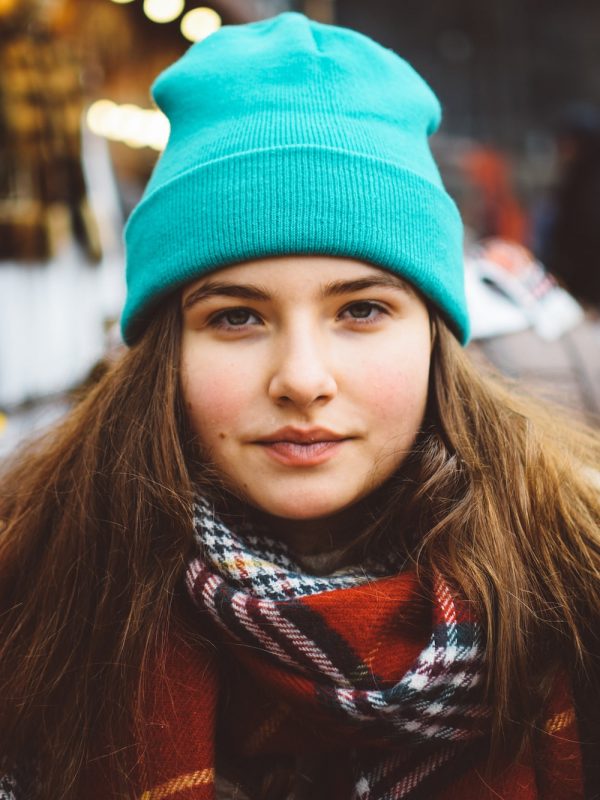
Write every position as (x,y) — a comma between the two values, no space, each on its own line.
(361,655)
(366,672)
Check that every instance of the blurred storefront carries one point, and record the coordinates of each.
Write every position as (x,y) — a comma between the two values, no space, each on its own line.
(60,252)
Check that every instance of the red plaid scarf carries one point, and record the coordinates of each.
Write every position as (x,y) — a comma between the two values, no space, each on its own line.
(363,685)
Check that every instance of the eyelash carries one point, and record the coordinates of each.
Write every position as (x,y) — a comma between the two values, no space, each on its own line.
(219,320)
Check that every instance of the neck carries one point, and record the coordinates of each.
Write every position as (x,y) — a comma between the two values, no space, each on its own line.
(341,531)
(315,536)
(320,536)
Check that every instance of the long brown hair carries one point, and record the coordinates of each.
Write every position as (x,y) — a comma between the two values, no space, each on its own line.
(499,495)
(502,497)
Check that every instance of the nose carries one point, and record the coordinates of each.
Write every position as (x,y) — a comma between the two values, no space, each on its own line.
(302,375)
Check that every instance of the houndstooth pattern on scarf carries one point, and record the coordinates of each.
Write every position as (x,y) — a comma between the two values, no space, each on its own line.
(252,588)
(263,566)
(8,788)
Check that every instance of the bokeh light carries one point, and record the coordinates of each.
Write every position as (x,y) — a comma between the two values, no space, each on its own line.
(134,126)
(99,115)
(199,23)
(163,10)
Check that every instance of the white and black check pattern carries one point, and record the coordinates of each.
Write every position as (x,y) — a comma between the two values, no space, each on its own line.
(8,788)
(264,566)
(250,585)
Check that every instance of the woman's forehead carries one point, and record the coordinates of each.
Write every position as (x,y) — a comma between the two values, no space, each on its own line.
(269,276)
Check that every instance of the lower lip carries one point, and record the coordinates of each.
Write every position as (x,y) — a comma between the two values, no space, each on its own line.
(294,454)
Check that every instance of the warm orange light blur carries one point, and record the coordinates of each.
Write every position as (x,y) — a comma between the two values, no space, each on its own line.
(7,6)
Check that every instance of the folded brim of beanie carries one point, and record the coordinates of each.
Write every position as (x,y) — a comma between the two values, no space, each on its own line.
(302,200)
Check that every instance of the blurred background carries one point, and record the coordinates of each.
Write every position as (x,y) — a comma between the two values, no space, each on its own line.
(519,150)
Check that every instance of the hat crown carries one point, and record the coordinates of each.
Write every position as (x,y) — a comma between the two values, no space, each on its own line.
(289,81)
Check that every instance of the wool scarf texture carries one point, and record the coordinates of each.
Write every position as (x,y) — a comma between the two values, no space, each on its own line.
(344,659)
(364,684)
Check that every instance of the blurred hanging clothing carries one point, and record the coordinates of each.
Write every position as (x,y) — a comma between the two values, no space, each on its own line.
(61,263)
(43,199)
(491,208)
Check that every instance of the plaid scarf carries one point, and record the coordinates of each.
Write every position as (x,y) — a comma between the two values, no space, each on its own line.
(368,685)
(354,673)
(361,685)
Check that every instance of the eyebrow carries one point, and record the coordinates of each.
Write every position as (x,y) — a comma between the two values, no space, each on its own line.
(336,288)
(217,289)
(257,293)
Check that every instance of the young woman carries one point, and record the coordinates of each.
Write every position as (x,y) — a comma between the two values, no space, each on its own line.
(293,545)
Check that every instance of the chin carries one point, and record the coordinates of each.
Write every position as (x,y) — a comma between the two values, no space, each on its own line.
(301,508)
(285,511)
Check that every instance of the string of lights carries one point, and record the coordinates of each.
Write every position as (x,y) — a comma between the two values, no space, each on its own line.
(128,123)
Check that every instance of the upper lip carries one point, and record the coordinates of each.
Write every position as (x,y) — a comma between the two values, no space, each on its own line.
(302,435)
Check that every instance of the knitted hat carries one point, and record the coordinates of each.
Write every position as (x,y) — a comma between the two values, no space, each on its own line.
(293,137)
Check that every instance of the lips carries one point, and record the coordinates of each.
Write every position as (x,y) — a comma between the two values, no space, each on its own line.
(302,436)
(302,447)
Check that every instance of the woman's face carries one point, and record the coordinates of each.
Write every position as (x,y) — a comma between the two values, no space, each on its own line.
(305,378)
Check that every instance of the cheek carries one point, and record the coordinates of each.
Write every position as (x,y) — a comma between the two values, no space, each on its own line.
(215,395)
(396,388)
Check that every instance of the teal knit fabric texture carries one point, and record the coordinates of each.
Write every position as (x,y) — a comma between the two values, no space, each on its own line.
(289,136)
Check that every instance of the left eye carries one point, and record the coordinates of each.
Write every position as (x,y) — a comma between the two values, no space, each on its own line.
(364,310)
(233,318)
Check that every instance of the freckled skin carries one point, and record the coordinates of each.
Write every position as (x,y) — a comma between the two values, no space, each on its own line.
(304,360)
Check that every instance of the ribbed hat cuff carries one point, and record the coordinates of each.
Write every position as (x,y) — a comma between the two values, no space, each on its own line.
(295,200)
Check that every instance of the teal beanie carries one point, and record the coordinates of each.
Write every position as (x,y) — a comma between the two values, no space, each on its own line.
(289,136)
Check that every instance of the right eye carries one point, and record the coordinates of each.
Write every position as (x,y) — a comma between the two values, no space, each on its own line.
(233,319)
